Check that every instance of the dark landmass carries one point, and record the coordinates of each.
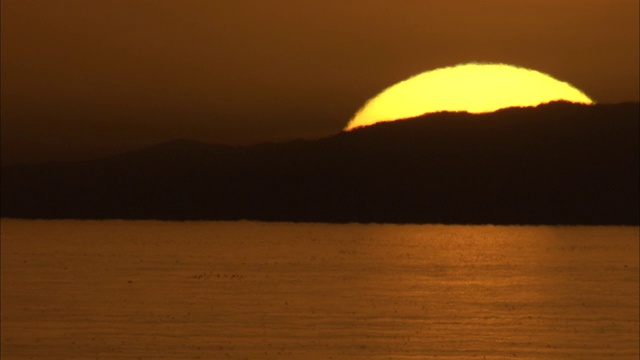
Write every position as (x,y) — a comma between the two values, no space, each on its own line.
(558,163)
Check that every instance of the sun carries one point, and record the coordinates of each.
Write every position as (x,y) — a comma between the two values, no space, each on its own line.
(473,87)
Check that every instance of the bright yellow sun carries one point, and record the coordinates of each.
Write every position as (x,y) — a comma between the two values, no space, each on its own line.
(474,88)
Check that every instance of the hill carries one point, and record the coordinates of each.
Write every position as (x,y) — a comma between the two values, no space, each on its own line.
(558,163)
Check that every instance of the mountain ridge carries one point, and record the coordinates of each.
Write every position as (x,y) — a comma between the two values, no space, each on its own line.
(557,163)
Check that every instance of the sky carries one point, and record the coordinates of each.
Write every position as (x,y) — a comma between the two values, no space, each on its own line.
(85,79)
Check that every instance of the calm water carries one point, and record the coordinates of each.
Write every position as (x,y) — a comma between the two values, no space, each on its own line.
(249,290)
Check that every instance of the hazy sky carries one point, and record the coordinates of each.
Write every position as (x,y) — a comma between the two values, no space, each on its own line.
(83,78)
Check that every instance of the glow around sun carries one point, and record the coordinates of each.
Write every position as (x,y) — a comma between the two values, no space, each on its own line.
(474,88)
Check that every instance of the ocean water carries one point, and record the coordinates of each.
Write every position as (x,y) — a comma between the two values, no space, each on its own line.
(251,290)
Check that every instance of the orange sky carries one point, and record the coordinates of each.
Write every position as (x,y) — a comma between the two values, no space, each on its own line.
(82,79)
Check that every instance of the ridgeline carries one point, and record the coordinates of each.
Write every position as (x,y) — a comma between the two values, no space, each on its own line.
(557,163)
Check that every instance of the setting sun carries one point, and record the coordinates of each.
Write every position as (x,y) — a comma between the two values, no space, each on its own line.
(474,88)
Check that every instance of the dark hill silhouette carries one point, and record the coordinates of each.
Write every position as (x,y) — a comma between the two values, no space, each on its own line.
(558,163)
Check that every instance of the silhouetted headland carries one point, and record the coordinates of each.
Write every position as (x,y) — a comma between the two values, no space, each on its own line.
(558,163)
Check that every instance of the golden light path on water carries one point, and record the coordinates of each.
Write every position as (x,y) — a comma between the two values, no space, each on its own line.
(121,290)
(473,87)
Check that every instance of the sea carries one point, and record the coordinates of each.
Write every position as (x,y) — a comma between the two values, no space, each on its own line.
(254,290)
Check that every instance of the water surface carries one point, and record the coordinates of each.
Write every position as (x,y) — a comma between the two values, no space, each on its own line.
(250,290)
